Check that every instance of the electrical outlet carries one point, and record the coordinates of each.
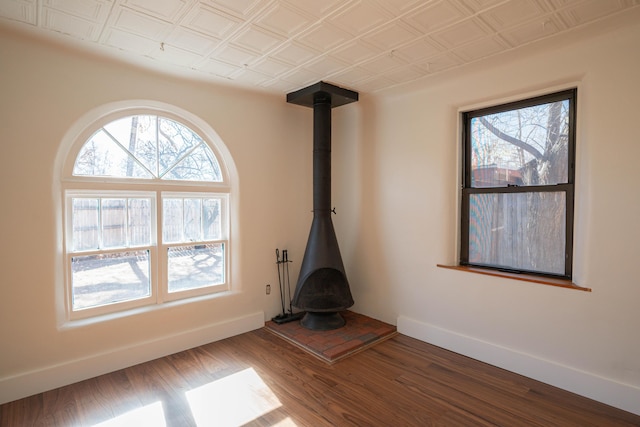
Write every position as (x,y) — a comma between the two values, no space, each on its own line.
(268,289)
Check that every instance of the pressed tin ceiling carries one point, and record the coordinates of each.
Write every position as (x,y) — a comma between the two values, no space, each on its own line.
(283,45)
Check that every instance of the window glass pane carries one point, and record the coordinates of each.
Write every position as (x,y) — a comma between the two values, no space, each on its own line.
(139,215)
(212,223)
(114,220)
(526,146)
(174,142)
(197,266)
(138,135)
(520,231)
(101,156)
(199,165)
(172,220)
(109,278)
(192,220)
(85,224)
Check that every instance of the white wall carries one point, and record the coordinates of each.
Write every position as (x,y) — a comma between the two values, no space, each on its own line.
(44,89)
(406,200)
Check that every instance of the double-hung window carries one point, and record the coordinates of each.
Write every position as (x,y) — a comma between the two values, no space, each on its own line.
(146,217)
(518,186)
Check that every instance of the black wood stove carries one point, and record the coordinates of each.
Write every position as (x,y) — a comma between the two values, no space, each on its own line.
(322,290)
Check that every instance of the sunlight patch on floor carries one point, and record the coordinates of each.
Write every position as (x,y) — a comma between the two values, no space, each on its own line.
(233,400)
(147,416)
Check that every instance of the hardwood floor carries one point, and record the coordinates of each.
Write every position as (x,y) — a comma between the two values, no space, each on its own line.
(258,379)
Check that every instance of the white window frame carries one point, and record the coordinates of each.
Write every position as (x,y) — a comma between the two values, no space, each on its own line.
(84,186)
(69,253)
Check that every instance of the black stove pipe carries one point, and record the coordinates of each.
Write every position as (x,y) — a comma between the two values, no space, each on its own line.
(322,154)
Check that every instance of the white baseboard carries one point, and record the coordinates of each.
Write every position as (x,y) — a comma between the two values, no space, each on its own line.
(40,380)
(610,392)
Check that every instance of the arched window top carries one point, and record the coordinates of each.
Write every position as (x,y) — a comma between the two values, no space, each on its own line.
(149,147)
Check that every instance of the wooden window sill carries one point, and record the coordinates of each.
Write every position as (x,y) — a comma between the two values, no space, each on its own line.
(518,276)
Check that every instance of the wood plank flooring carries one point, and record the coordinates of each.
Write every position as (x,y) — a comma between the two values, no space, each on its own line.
(258,379)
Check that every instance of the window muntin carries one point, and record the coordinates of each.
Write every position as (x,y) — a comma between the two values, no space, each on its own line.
(116,253)
(517,195)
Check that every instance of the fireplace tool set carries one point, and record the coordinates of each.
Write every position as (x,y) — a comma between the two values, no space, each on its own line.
(285,285)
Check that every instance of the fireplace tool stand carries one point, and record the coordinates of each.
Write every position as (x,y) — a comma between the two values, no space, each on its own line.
(285,284)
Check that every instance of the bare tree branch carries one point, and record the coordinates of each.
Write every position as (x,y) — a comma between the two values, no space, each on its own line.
(521,144)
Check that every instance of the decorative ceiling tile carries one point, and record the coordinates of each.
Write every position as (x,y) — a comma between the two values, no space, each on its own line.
(282,20)
(271,67)
(250,76)
(481,48)
(301,77)
(418,50)
(294,54)
(398,7)
(460,33)
(93,10)
(391,36)
(439,63)
(257,40)
(360,17)
(323,37)
(130,42)
(531,31)
(382,63)
(218,68)
(564,3)
(351,76)
(355,52)
(192,41)
(512,13)
(434,16)
(375,84)
(211,21)
(280,86)
(165,9)
(276,45)
(174,55)
(405,74)
(582,13)
(239,8)
(70,25)
(317,8)
(22,11)
(142,25)
(325,65)
(478,5)
(235,55)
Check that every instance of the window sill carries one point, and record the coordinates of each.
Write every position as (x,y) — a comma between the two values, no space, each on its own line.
(115,315)
(516,276)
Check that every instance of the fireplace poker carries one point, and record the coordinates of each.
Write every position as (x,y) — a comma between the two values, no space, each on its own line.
(280,281)
(285,259)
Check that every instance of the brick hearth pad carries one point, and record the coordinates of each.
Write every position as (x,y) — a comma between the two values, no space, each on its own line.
(359,333)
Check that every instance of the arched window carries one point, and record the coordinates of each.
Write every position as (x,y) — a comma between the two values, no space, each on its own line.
(146,203)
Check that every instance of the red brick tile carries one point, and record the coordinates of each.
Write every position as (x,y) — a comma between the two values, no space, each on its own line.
(359,331)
